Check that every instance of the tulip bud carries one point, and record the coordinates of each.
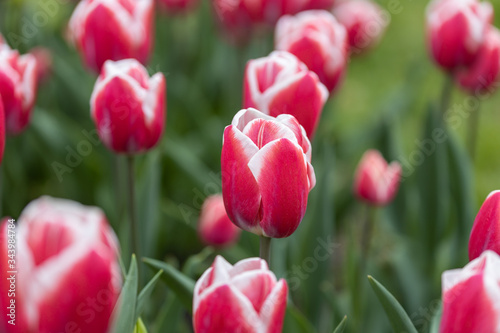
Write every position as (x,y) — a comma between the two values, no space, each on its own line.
(214,227)
(375,181)
(112,30)
(484,73)
(18,86)
(281,83)
(364,21)
(245,297)
(63,265)
(485,234)
(318,40)
(471,296)
(177,6)
(266,173)
(456,30)
(128,107)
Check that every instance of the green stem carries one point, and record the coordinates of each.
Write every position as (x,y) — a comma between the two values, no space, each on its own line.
(265,249)
(473,125)
(366,237)
(134,231)
(446,93)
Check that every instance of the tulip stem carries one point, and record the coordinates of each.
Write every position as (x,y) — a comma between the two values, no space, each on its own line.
(134,232)
(446,93)
(472,133)
(265,249)
(366,237)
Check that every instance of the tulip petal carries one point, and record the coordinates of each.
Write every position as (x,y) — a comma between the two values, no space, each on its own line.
(485,234)
(239,187)
(248,264)
(280,170)
(273,309)
(255,285)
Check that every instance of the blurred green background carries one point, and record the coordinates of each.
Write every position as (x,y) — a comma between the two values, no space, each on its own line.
(382,104)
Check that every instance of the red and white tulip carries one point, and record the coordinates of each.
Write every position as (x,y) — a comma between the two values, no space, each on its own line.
(471,297)
(18,87)
(214,227)
(485,234)
(456,30)
(375,181)
(245,297)
(68,277)
(318,40)
(129,107)
(484,73)
(280,83)
(266,173)
(365,23)
(112,30)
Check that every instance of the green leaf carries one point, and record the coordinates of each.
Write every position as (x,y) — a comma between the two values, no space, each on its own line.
(295,321)
(436,320)
(168,318)
(124,312)
(146,293)
(140,327)
(398,318)
(180,284)
(341,326)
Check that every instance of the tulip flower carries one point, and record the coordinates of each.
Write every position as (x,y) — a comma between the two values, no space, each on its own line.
(364,21)
(484,73)
(245,297)
(266,173)
(485,234)
(112,30)
(66,273)
(375,181)
(456,30)
(281,83)
(318,40)
(214,227)
(2,130)
(128,107)
(18,87)
(471,296)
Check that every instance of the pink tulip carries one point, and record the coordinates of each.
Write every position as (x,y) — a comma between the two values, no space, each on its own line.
(485,234)
(214,227)
(456,30)
(112,30)
(375,181)
(242,298)
(266,173)
(318,40)
(128,107)
(364,21)
(471,297)
(281,83)
(18,87)
(2,130)
(484,73)
(66,258)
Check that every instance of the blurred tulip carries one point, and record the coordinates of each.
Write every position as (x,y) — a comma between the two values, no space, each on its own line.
(318,40)
(471,297)
(68,277)
(365,23)
(245,297)
(375,181)
(214,227)
(280,83)
(18,87)
(456,30)
(177,6)
(128,107)
(112,30)
(485,234)
(44,62)
(2,130)
(484,73)
(266,173)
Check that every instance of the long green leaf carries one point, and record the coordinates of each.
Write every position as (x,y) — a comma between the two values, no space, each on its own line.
(296,322)
(397,316)
(341,326)
(146,293)
(124,312)
(180,284)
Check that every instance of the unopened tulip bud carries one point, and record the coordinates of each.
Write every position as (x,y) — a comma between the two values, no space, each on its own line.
(245,297)
(376,181)
(128,107)
(214,227)
(281,83)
